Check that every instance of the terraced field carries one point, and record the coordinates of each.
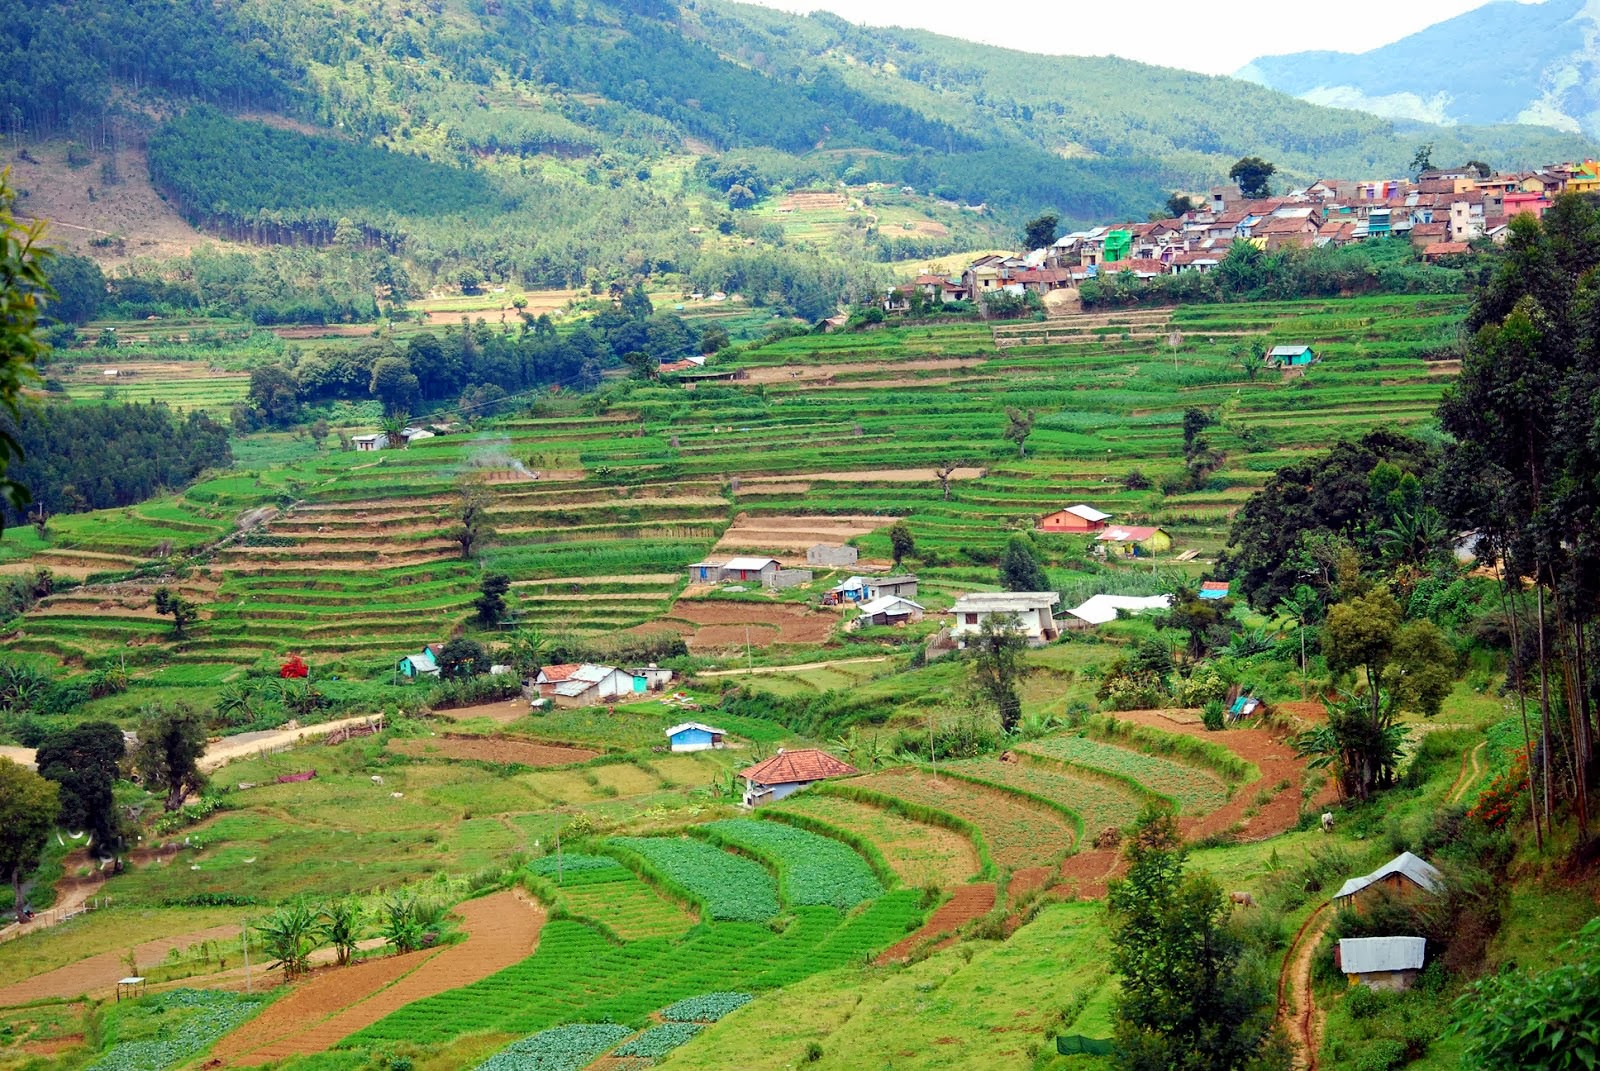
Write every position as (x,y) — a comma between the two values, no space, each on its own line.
(1019,832)
(1098,803)
(920,854)
(1194,789)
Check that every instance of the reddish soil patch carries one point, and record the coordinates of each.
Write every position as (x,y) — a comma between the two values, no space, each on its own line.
(1026,880)
(99,974)
(493,749)
(51,1046)
(1087,874)
(501,929)
(707,624)
(323,993)
(967,903)
(501,713)
(1272,755)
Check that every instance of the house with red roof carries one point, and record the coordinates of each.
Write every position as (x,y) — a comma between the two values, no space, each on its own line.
(1134,541)
(788,772)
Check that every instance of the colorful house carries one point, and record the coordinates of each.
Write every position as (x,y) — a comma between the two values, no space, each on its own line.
(1135,541)
(788,772)
(1214,589)
(425,663)
(850,589)
(586,684)
(1294,355)
(693,736)
(1079,518)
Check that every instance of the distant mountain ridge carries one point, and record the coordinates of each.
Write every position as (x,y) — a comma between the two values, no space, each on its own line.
(1505,62)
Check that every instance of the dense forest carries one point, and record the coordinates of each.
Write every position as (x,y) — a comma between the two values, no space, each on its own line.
(79,458)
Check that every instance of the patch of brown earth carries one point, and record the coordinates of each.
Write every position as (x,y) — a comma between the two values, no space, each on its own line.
(965,904)
(493,749)
(707,624)
(99,974)
(501,929)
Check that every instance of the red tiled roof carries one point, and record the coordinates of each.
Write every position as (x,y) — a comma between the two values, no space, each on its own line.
(559,672)
(806,764)
(931,280)
(1429,230)
(1443,249)
(1214,585)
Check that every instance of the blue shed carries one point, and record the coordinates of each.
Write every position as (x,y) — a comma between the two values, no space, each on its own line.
(693,736)
(1293,356)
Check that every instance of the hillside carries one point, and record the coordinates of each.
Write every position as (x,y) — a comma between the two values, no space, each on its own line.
(561,145)
(1505,62)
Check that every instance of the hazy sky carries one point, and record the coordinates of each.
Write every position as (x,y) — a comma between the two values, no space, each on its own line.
(1217,37)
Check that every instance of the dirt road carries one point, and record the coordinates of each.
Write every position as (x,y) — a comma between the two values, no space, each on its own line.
(1294,990)
(221,752)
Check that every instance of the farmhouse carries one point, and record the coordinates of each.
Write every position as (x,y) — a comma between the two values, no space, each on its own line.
(1382,962)
(788,772)
(1214,589)
(415,434)
(832,554)
(1099,609)
(654,677)
(850,589)
(1404,876)
(376,440)
(693,736)
(742,570)
(1079,518)
(1028,612)
(904,586)
(1134,541)
(571,685)
(1296,355)
(425,663)
(889,610)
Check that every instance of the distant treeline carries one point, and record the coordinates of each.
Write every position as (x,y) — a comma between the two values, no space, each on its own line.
(83,457)
(1246,273)
(473,367)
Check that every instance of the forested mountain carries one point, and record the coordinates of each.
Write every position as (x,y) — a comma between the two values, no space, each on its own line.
(570,141)
(1506,62)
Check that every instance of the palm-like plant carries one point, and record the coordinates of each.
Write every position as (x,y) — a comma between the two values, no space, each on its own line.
(236,704)
(341,924)
(290,936)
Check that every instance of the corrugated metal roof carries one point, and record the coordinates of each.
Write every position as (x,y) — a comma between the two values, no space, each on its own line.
(889,604)
(1420,871)
(1088,513)
(1287,351)
(754,565)
(1369,955)
(676,729)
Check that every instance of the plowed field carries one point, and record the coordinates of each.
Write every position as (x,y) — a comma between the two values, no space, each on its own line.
(1019,833)
(493,749)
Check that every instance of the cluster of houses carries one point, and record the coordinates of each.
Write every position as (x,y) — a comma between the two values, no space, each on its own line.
(381,440)
(1440,212)
(1112,540)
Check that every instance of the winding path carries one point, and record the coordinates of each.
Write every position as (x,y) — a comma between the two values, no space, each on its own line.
(1294,990)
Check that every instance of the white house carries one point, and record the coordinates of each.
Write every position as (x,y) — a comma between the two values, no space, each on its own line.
(1028,612)
(655,678)
(570,685)
(1382,962)
(693,736)
(376,440)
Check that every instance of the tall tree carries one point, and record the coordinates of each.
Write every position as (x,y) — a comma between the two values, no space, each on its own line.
(1187,1001)
(902,544)
(1019,425)
(472,529)
(184,612)
(172,741)
(23,288)
(84,760)
(1252,174)
(1180,204)
(1040,232)
(491,603)
(996,653)
(1020,568)
(28,808)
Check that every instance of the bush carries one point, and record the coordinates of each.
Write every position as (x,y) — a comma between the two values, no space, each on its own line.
(1363,1002)
(1212,715)
(1383,1055)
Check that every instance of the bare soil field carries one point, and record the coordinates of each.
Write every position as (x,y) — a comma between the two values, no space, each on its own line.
(863,476)
(99,974)
(324,992)
(812,200)
(967,903)
(131,209)
(501,929)
(707,624)
(1276,760)
(493,749)
(794,534)
(501,713)
(92,368)
(815,373)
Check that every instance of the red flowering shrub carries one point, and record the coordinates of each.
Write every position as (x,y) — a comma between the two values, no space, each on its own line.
(295,668)
(1498,802)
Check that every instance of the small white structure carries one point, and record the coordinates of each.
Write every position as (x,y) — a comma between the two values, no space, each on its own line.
(655,678)
(1099,609)
(889,610)
(694,736)
(1382,962)
(1029,612)
(411,435)
(372,441)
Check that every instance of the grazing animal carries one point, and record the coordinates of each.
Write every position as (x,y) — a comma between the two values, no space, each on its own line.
(397,795)
(377,780)
(1327,821)
(1242,899)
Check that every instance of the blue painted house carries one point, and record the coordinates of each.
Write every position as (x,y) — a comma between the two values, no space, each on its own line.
(1294,355)
(693,736)
(425,663)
